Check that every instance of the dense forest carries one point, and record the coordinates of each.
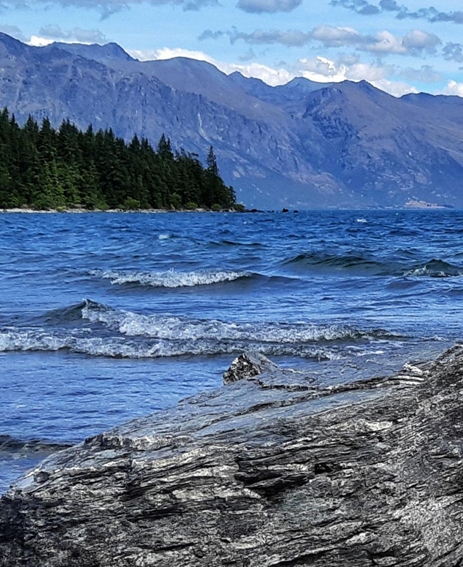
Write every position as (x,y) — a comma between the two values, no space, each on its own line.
(45,168)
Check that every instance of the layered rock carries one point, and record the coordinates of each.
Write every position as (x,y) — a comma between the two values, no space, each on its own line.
(270,470)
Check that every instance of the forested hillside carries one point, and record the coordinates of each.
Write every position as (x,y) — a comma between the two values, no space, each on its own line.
(44,168)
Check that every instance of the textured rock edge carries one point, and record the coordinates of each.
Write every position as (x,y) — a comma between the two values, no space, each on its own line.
(268,471)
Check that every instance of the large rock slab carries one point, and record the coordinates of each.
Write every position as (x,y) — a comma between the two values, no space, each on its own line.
(267,471)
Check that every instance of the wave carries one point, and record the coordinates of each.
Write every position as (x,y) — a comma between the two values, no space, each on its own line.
(171,327)
(9,444)
(344,262)
(65,315)
(108,332)
(170,279)
(434,268)
(117,347)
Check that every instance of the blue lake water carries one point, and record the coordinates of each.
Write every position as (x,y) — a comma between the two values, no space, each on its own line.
(105,317)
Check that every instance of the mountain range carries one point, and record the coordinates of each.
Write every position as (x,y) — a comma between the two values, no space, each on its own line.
(299,145)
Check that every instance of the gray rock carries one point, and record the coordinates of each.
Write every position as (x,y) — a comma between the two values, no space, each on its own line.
(246,366)
(264,472)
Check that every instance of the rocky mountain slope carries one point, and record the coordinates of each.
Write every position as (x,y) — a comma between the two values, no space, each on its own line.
(299,145)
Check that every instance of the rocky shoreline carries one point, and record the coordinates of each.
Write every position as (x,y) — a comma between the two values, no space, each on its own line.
(270,470)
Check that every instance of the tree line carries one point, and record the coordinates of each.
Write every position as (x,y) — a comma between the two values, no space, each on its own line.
(46,168)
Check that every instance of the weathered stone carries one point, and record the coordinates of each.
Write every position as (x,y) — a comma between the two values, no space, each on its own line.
(265,472)
(246,366)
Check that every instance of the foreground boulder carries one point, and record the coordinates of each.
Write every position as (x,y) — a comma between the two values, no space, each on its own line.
(268,471)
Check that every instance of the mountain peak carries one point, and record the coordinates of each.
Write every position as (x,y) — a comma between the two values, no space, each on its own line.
(101,53)
(305,144)
(14,46)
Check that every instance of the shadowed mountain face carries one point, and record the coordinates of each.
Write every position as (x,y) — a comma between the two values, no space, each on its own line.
(303,145)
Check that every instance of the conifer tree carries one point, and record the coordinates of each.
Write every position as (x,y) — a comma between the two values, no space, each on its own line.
(46,168)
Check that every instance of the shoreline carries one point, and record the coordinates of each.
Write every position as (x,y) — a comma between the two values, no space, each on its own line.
(87,211)
(28,211)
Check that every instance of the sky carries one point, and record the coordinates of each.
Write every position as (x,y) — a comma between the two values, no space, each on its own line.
(414,46)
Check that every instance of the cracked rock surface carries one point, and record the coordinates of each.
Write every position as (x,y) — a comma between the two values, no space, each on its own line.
(268,471)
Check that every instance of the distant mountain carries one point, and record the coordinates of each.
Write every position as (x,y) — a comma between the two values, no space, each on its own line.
(101,53)
(300,145)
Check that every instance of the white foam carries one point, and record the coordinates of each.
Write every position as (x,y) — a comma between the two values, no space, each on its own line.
(433,273)
(435,269)
(170,279)
(120,347)
(178,328)
(124,334)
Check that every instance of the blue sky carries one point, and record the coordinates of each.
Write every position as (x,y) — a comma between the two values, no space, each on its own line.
(398,46)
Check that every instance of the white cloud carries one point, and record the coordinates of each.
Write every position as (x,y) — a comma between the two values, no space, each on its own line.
(366,72)
(336,36)
(321,70)
(394,88)
(37,41)
(267,74)
(420,41)
(453,88)
(386,42)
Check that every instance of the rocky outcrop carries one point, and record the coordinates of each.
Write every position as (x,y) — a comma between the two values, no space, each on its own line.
(247,366)
(270,470)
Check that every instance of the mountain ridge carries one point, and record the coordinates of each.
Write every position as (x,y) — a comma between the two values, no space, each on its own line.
(302,145)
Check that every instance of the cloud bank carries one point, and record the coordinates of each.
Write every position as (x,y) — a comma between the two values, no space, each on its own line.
(106,7)
(78,35)
(268,6)
(431,14)
(415,42)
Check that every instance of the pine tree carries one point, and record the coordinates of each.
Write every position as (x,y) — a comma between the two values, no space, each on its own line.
(47,168)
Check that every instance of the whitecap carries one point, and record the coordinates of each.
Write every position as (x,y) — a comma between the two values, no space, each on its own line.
(171,278)
(182,328)
(120,347)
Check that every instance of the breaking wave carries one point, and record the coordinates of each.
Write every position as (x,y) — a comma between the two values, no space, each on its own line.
(436,269)
(117,347)
(171,278)
(169,327)
(104,331)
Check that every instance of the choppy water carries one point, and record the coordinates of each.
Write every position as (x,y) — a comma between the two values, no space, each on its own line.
(104,317)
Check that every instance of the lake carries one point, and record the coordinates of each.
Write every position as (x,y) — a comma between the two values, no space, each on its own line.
(106,317)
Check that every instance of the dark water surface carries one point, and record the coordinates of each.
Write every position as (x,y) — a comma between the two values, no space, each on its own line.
(105,317)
